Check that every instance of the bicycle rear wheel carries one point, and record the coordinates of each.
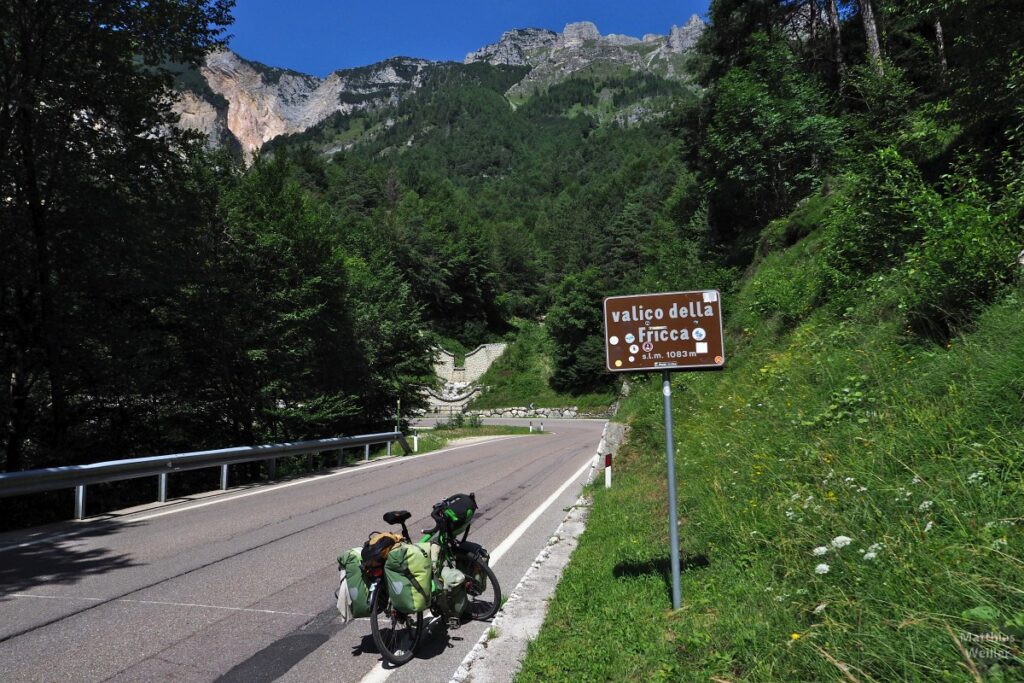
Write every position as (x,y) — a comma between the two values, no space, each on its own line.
(484,591)
(396,635)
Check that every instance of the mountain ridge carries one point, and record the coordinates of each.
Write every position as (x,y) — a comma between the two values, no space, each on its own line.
(244,104)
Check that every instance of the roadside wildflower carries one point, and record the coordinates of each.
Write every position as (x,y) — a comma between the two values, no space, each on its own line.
(925,506)
(870,555)
(976,478)
(875,547)
(819,551)
(841,542)
(928,526)
(820,608)
(790,514)
(916,480)
(794,636)
(822,569)
(862,489)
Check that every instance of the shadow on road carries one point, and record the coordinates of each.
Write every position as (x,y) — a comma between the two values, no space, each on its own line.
(59,561)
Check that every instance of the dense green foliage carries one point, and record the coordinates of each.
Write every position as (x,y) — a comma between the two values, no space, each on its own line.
(850,485)
(522,376)
(835,428)
(156,298)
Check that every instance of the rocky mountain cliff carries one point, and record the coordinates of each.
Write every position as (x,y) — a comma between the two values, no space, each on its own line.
(242,103)
(249,103)
(556,56)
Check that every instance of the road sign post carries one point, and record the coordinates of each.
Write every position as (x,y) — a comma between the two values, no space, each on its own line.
(672,331)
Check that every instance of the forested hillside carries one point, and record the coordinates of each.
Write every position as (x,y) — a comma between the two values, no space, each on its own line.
(851,483)
(157,296)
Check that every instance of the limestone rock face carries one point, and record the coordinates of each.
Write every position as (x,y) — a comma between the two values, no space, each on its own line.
(683,38)
(575,35)
(514,46)
(620,40)
(248,104)
(263,102)
(196,113)
(556,56)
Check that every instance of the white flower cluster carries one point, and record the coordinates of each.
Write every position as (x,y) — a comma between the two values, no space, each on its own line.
(837,543)
(925,506)
(978,478)
(872,551)
(841,542)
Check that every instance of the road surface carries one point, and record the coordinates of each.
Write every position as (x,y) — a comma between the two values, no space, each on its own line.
(239,586)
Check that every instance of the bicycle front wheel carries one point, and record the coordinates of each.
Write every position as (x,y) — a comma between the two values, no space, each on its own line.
(484,591)
(396,635)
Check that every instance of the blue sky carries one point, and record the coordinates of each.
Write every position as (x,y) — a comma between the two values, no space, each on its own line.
(319,36)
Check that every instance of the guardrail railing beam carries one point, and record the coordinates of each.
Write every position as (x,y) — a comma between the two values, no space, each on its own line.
(80,476)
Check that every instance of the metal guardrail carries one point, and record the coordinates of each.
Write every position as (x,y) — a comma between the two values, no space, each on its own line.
(79,476)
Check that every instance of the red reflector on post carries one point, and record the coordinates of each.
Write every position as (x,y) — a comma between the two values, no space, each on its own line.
(607,459)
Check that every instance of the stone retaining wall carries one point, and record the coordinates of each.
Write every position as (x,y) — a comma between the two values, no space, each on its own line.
(477,362)
(569,412)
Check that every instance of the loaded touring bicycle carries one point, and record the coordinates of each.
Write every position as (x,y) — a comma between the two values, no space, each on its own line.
(394,581)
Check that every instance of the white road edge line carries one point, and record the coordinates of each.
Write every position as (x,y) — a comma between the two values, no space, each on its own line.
(264,489)
(379,674)
(160,602)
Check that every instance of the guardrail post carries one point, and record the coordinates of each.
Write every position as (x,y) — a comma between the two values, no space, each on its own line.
(309,462)
(341,457)
(272,468)
(161,488)
(366,452)
(79,502)
(389,449)
(415,443)
(223,477)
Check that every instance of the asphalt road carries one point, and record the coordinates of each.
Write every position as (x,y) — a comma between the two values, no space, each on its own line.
(239,586)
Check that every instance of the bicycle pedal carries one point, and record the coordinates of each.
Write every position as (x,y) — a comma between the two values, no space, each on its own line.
(454,623)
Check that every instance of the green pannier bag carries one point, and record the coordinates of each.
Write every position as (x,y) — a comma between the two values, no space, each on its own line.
(408,576)
(452,598)
(350,566)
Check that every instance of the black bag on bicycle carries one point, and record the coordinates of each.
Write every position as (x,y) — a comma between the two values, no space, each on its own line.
(454,514)
(469,557)
(375,552)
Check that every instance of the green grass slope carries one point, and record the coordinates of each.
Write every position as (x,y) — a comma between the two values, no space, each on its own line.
(851,508)
(520,377)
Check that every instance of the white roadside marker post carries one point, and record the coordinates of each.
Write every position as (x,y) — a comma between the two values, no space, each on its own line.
(607,470)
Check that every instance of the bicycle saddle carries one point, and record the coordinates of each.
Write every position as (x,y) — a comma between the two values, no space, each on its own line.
(397,516)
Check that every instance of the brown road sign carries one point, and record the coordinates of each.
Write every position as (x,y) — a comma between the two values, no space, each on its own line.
(668,331)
